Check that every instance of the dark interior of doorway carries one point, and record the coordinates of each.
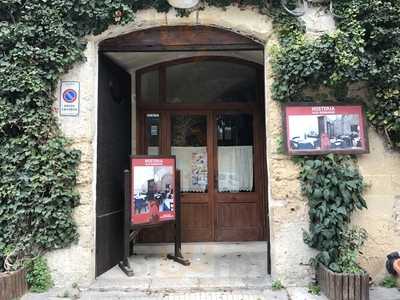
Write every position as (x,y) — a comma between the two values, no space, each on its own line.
(114,121)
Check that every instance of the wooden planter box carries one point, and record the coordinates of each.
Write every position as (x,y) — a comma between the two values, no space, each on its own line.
(13,284)
(342,286)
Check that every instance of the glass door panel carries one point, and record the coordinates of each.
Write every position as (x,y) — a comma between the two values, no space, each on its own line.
(235,152)
(189,144)
(211,81)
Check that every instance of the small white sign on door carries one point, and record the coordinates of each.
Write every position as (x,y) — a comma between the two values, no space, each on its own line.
(69,98)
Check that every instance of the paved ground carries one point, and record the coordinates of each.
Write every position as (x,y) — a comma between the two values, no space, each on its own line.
(213,266)
(298,293)
(194,295)
(218,271)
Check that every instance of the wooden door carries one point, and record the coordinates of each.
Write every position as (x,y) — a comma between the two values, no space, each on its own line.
(191,141)
(214,89)
(113,150)
(227,204)
(187,135)
(239,181)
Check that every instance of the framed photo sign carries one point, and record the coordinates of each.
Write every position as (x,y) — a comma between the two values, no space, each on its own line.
(321,129)
(153,189)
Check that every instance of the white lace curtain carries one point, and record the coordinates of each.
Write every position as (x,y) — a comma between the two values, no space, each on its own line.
(235,168)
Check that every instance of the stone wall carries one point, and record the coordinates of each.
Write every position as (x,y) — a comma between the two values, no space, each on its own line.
(381,171)
(76,263)
(287,207)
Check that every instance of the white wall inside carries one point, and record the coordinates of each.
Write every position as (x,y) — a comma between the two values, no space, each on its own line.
(133,61)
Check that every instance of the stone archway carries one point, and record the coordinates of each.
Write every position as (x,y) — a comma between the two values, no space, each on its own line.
(80,258)
(215,209)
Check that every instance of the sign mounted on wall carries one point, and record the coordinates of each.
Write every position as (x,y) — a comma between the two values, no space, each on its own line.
(321,129)
(69,98)
(153,189)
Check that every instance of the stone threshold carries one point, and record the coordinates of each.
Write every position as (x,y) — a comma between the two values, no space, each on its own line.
(201,247)
(180,285)
(214,267)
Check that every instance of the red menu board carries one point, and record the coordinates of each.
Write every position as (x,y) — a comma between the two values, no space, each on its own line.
(153,189)
(321,129)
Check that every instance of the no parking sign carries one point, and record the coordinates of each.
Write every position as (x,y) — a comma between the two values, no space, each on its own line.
(69,98)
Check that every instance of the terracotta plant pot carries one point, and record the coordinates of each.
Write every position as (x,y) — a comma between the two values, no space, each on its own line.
(13,284)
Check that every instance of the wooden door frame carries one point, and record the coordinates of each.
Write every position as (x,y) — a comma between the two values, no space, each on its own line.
(212,164)
(161,68)
(179,38)
(165,110)
(231,41)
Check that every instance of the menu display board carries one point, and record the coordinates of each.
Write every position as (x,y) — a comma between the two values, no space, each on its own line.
(153,189)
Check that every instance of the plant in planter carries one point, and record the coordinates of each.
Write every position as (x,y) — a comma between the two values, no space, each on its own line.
(351,242)
(38,277)
(334,189)
(346,279)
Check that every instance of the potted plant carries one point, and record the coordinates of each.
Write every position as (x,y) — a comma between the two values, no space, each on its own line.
(19,272)
(334,188)
(13,282)
(344,278)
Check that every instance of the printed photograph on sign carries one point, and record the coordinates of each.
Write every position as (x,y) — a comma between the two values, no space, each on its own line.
(153,189)
(317,129)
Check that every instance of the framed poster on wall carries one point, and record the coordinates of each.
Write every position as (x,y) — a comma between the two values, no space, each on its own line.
(153,189)
(312,129)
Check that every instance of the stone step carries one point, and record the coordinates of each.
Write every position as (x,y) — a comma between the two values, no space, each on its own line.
(291,293)
(202,247)
(179,284)
(193,295)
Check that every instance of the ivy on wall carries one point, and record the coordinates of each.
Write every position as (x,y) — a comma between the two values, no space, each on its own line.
(333,186)
(41,39)
(364,48)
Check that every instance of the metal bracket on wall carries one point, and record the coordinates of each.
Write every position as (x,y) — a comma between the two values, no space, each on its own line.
(298,13)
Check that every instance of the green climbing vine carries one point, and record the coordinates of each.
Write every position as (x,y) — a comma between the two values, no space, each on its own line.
(334,189)
(39,41)
(365,48)
(42,39)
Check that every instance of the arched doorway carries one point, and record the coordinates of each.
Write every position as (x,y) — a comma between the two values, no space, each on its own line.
(208,112)
(206,108)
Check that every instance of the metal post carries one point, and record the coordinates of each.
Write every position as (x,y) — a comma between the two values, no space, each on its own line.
(178,257)
(124,263)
